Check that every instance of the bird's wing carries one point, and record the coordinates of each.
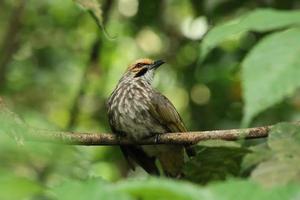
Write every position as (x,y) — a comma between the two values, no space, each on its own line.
(165,113)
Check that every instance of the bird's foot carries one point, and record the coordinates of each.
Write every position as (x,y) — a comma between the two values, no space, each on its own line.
(156,138)
(119,137)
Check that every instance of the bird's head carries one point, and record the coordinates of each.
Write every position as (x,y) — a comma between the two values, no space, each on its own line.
(143,69)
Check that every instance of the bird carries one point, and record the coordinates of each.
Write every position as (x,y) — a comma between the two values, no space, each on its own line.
(137,111)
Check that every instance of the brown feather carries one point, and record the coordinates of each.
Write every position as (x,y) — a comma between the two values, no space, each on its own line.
(136,154)
(172,158)
(165,112)
(136,111)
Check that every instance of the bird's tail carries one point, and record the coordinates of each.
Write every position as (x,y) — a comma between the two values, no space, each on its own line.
(190,150)
(172,160)
(134,154)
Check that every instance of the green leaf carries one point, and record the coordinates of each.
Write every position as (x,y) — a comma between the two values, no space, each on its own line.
(160,188)
(214,163)
(277,171)
(94,7)
(219,143)
(13,187)
(92,189)
(285,135)
(271,72)
(260,20)
(281,166)
(11,124)
(260,153)
(247,190)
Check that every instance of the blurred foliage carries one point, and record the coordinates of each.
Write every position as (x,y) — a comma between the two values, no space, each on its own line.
(57,68)
(276,75)
(261,20)
(217,162)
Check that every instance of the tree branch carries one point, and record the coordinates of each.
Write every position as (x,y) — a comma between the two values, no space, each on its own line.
(11,124)
(80,138)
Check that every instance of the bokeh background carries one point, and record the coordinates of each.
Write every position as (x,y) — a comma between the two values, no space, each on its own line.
(57,67)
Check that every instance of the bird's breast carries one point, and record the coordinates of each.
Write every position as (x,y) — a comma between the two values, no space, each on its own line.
(129,111)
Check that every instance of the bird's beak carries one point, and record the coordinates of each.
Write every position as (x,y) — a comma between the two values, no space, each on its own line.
(156,64)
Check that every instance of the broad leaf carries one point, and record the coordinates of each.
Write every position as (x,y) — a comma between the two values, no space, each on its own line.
(260,20)
(93,189)
(260,153)
(161,188)
(277,171)
(11,124)
(247,190)
(158,188)
(271,72)
(280,163)
(217,160)
(285,137)
(94,7)
(14,187)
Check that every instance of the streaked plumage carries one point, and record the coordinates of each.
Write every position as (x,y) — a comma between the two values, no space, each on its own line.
(136,110)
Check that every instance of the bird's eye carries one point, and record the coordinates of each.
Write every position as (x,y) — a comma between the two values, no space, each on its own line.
(141,72)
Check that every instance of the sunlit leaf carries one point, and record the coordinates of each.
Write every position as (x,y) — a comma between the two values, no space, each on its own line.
(247,190)
(13,187)
(270,72)
(160,188)
(11,124)
(277,171)
(285,137)
(260,20)
(94,7)
(280,163)
(92,189)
